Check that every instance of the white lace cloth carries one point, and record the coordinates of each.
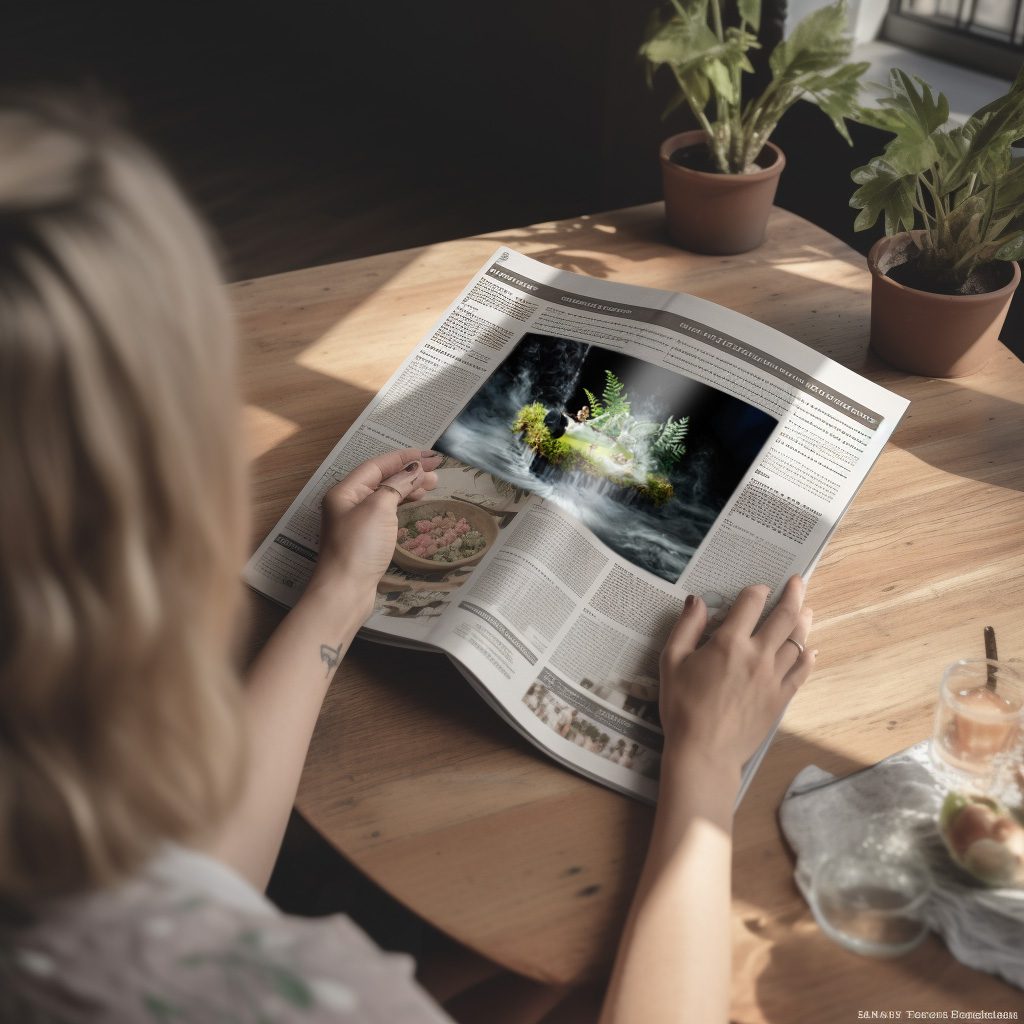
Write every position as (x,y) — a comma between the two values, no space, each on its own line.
(983,928)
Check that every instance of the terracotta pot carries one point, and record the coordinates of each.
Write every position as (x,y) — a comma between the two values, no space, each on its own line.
(718,214)
(930,334)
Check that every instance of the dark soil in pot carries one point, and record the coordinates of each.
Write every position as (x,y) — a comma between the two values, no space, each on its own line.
(699,158)
(903,265)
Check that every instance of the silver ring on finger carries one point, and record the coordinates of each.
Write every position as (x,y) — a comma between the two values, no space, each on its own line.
(394,490)
(796,643)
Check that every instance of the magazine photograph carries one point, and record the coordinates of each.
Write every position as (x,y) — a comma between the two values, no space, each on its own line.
(643,458)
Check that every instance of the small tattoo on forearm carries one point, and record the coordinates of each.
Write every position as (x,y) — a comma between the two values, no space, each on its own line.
(330,656)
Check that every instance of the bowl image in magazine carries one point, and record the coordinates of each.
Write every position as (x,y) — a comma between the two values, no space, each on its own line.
(646,458)
(443,534)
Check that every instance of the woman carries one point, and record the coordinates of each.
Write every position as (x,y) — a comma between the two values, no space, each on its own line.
(144,790)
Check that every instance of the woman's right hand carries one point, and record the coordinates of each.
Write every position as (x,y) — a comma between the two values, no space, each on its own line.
(718,701)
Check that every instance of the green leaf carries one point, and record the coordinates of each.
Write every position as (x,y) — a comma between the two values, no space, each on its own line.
(721,80)
(965,226)
(1010,188)
(931,111)
(884,191)
(990,135)
(1013,249)
(836,94)
(818,43)
(750,12)
(914,113)
(702,64)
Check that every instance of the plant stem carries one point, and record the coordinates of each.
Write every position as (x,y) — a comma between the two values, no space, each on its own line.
(716,20)
(922,207)
(698,112)
(937,232)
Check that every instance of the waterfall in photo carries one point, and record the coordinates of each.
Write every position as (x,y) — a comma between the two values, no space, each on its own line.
(554,372)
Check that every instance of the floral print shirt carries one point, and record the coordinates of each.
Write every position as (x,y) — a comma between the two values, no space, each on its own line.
(190,942)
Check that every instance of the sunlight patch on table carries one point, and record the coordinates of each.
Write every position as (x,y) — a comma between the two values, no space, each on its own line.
(838,273)
(265,430)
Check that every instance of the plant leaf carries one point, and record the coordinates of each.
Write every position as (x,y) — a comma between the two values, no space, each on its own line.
(884,191)
(721,81)
(915,114)
(836,94)
(1013,249)
(1010,188)
(750,12)
(819,42)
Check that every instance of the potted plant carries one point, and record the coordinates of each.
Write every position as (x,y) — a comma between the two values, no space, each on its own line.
(953,201)
(720,180)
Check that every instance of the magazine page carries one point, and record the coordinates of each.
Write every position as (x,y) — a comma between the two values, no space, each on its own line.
(679,447)
(631,446)
(440,375)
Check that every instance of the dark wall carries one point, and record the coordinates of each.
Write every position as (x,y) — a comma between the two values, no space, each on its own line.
(318,130)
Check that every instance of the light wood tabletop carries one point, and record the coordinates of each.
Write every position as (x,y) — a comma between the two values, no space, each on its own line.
(426,790)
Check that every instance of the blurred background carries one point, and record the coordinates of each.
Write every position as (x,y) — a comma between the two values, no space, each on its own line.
(314,131)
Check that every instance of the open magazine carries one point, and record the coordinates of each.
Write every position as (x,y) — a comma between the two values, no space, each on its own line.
(609,450)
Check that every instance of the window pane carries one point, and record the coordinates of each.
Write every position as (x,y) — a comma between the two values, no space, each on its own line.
(994,14)
(1001,20)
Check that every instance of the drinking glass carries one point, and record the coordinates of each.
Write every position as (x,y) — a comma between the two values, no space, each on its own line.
(977,723)
(870,881)
(870,903)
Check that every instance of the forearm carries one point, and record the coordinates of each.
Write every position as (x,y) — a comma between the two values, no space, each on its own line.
(285,689)
(674,960)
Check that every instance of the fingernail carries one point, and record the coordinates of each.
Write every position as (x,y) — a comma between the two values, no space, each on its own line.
(413,467)
(428,454)
(688,603)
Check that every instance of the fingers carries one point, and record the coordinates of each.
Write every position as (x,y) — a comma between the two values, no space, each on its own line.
(369,475)
(799,673)
(397,487)
(745,611)
(788,653)
(428,481)
(686,633)
(782,620)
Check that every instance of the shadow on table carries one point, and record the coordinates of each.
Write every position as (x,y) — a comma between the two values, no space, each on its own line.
(985,443)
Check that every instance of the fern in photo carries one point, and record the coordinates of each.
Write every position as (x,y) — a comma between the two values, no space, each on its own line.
(596,408)
(668,447)
(616,401)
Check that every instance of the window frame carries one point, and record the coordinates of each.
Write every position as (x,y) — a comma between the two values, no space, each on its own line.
(955,45)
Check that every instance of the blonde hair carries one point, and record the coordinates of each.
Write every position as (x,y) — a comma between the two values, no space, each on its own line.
(122,510)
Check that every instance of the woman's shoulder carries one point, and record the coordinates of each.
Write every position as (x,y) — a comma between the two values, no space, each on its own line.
(188,941)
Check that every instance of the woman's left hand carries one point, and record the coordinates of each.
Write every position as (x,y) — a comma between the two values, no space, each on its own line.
(359,521)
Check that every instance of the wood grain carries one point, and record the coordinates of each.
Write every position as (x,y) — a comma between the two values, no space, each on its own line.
(412,777)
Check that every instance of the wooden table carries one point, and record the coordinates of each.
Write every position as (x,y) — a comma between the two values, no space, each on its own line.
(414,779)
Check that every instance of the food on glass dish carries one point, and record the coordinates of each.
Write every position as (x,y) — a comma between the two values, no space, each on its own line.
(984,837)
